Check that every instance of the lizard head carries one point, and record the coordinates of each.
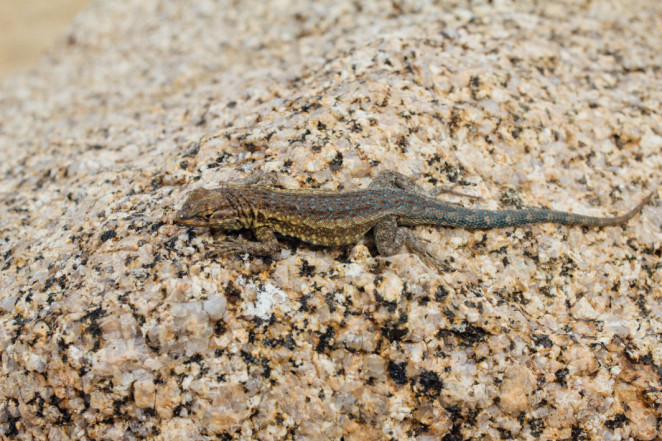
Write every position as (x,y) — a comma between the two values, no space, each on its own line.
(209,208)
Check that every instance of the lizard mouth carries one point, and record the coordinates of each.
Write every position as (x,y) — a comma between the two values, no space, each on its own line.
(179,218)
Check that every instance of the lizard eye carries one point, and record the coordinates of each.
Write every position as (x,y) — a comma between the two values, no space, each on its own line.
(207,216)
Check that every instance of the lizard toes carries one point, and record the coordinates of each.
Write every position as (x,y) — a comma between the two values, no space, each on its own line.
(435,261)
(230,246)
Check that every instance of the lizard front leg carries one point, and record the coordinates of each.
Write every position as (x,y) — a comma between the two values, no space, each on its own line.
(390,238)
(266,245)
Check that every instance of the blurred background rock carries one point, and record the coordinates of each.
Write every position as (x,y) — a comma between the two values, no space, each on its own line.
(30,26)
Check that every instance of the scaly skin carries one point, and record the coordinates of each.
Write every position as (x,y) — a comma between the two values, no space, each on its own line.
(340,218)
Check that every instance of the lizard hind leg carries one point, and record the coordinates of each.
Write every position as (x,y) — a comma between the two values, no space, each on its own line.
(390,238)
(265,179)
(436,191)
(394,179)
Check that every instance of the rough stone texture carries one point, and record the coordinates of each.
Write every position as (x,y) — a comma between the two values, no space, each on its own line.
(114,324)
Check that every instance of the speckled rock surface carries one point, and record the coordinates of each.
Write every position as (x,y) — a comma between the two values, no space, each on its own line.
(114,325)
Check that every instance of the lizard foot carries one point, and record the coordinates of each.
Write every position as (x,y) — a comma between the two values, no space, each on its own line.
(417,247)
(239,246)
(230,246)
(390,238)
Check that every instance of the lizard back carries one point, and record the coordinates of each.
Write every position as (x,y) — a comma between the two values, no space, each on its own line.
(318,216)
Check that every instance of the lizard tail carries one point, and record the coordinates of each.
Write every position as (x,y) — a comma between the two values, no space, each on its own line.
(455,216)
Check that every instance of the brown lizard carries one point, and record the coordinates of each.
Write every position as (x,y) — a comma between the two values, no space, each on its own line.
(391,203)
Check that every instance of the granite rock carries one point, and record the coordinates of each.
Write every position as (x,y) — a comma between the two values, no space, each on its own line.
(115,324)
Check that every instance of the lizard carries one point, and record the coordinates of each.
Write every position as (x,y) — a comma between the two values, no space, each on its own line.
(391,203)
